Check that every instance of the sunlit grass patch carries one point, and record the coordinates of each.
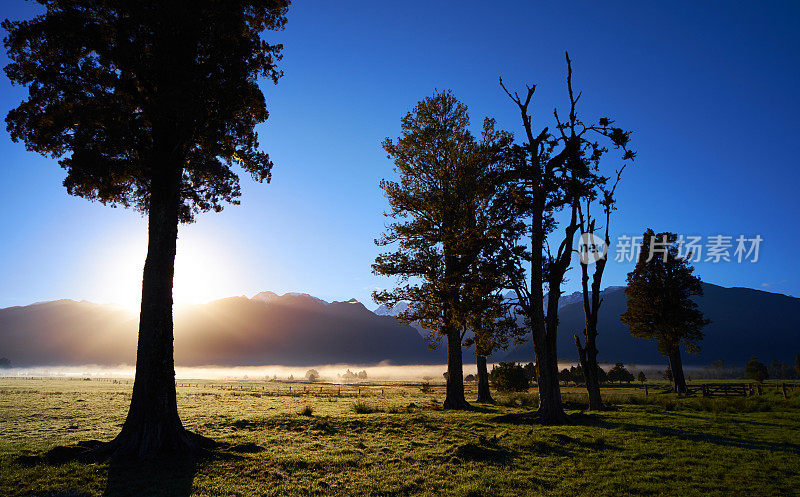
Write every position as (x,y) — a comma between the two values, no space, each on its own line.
(403,442)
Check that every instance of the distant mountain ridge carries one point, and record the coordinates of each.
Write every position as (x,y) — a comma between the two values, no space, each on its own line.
(291,329)
(297,329)
(744,323)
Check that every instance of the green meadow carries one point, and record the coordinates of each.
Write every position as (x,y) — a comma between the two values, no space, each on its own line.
(397,440)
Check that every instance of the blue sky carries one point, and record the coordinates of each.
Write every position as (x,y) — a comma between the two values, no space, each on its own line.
(709,90)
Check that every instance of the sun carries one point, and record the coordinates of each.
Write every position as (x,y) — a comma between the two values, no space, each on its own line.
(202,272)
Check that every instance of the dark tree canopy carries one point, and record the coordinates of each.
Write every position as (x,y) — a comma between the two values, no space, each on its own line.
(660,296)
(446,178)
(439,230)
(509,377)
(109,80)
(756,370)
(620,373)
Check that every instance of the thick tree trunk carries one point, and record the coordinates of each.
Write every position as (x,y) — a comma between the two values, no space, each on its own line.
(484,395)
(588,359)
(455,373)
(676,366)
(551,409)
(153,426)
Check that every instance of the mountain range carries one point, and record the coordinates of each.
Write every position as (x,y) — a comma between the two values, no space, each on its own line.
(298,329)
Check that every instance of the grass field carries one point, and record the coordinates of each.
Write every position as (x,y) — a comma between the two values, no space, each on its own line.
(395,440)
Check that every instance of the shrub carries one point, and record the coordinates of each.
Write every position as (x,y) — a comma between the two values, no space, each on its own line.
(307,411)
(364,408)
(509,377)
(426,387)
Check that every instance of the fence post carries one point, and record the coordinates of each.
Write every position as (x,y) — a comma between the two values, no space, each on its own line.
(645,389)
(783,388)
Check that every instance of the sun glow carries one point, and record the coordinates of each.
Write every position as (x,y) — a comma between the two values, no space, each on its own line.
(202,272)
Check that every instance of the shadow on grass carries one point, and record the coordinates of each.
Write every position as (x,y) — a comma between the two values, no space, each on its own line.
(166,477)
(725,441)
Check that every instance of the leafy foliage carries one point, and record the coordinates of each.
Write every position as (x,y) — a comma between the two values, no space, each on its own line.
(756,370)
(439,204)
(660,291)
(620,373)
(509,377)
(123,92)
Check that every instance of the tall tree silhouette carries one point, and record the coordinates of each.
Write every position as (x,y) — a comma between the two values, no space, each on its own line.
(593,255)
(148,105)
(660,305)
(551,174)
(446,176)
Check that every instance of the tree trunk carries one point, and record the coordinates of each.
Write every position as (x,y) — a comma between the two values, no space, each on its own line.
(484,395)
(676,366)
(153,426)
(588,359)
(551,409)
(455,373)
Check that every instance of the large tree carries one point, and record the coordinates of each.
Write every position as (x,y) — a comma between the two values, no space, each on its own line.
(148,105)
(660,294)
(550,174)
(446,176)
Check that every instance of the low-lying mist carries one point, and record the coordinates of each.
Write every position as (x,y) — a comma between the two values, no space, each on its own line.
(327,373)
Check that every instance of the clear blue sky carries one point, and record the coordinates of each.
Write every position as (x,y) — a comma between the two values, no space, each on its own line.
(709,89)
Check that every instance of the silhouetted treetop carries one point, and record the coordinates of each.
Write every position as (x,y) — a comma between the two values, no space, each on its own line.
(110,83)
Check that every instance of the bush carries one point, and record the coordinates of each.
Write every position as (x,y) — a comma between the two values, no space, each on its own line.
(364,408)
(307,411)
(425,387)
(509,377)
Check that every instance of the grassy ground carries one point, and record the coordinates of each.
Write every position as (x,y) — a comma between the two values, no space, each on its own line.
(401,442)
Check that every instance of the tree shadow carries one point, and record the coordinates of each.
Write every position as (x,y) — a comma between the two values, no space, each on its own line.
(163,477)
(721,440)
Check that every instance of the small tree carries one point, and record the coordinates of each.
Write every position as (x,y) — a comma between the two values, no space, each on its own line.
(756,370)
(509,377)
(620,374)
(577,374)
(565,376)
(362,375)
(641,377)
(660,301)
(312,375)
